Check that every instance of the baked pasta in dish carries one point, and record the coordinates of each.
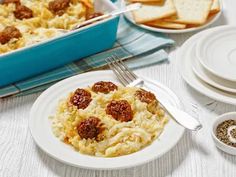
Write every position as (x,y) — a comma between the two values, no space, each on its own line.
(25,22)
(107,120)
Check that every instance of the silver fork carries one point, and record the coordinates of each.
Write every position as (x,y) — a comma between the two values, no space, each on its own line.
(129,79)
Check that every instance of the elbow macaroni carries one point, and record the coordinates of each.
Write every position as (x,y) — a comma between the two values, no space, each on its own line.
(43,25)
(118,138)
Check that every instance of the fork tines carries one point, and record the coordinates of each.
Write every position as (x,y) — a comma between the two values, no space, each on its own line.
(121,70)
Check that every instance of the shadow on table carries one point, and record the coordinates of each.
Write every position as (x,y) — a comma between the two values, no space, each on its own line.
(210,104)
(17,102)
(161,167)
(227,157)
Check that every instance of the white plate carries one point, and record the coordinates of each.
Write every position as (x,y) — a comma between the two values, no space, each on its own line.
(216,51)
(214,18)
(45,106)
(210,78)
(185,59)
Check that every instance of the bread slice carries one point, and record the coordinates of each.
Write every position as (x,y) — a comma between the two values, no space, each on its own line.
(210,17)
(191,11)
(154,11)
(164,24)
(215,6)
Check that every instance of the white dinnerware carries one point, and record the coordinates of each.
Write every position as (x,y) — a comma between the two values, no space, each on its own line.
(219,144)
(185,60)
(211,79)
(216,52)
(45,106)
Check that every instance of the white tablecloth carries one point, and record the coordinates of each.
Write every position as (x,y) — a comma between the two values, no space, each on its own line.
(194,156)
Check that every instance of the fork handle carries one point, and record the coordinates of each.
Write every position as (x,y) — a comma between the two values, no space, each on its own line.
(181,117)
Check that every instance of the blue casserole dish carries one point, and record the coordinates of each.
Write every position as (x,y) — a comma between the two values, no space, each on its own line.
(32,60)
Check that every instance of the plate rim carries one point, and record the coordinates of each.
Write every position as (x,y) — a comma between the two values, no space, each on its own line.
(190,83)
(208,80)
(174,31)
(33,108)
(202,60)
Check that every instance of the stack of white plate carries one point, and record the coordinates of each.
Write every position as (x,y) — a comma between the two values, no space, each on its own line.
(207,62)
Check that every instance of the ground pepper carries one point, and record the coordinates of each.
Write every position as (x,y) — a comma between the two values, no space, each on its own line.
(226,132)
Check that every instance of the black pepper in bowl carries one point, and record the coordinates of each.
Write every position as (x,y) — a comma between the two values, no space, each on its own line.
(233,133)
(226,132)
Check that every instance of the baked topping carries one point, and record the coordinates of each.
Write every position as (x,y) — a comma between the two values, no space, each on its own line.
(9,33)
(37,23)
(58,7)
(11,1)
(120,110)
(145,96)
(81,98)
(104,87)
(23,12)
(90,128)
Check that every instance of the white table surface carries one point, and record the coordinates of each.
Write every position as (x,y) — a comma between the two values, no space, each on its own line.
(194,156)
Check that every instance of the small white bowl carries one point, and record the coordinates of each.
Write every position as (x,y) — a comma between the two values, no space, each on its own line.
(222,146)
